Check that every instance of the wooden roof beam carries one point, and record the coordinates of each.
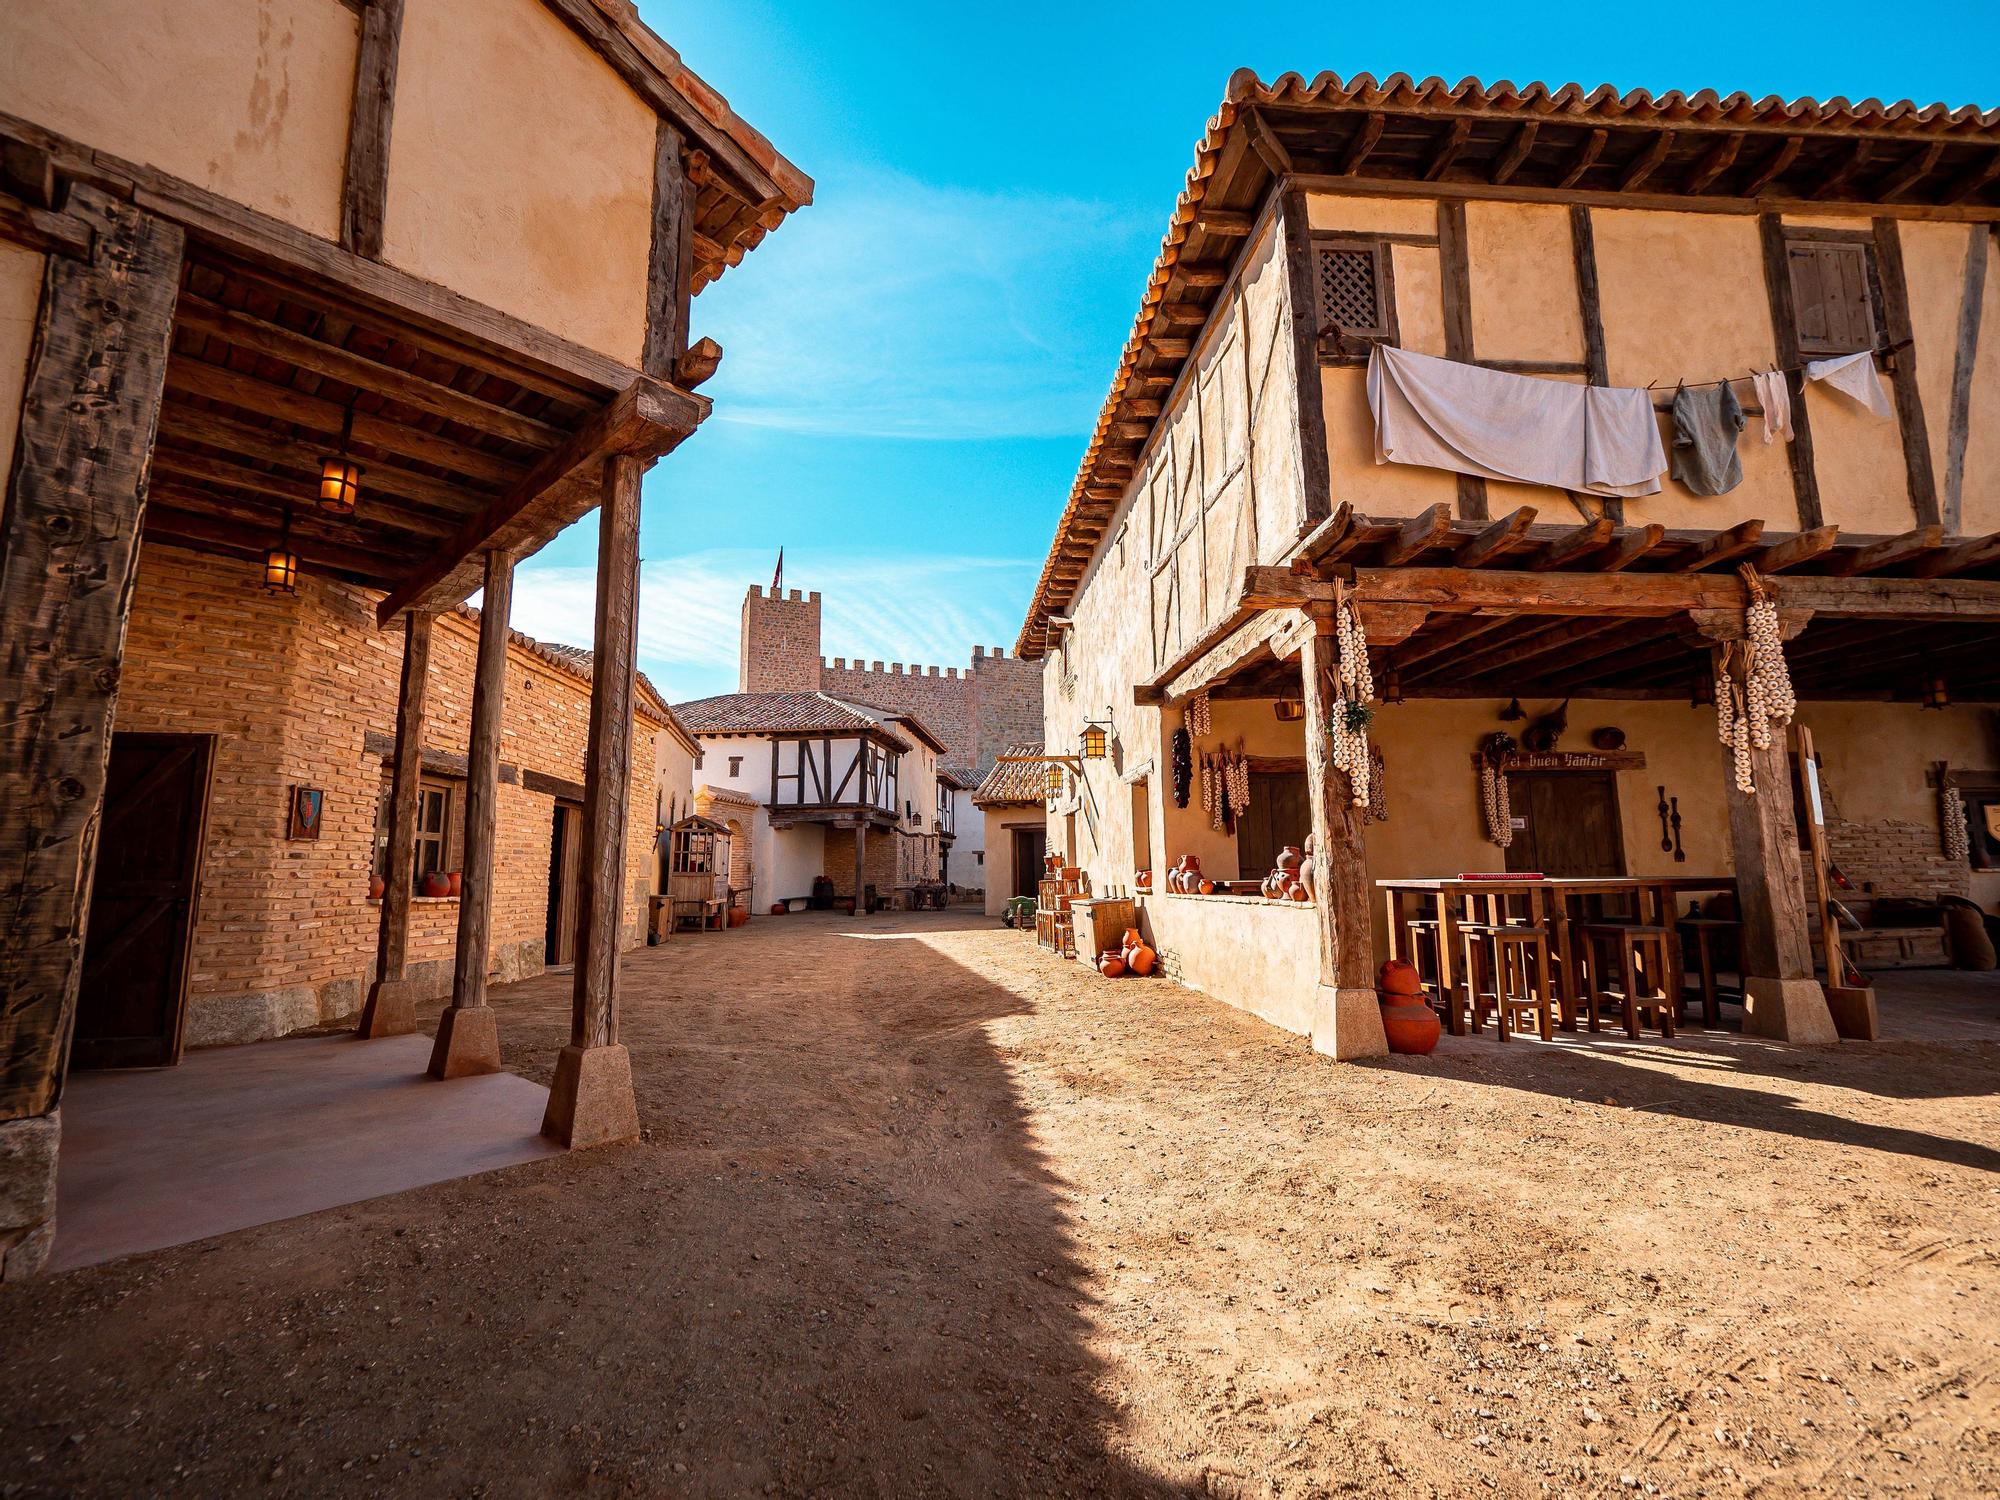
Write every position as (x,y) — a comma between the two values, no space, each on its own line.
(1269,149)
(1585,158)
(1910,173)
(1577,542)
(1517,152)
(1887,553)
(1972,181)
(1496,540)
(1627,547)
(1417,535)
(646,419)
(1857,157)
(1437,639)
(1774,166)
(1794,550)
(1718,159)
(1355,152)
(1647,162)
(1980,552)
(1224,223)
(1723,547)
(1447,149)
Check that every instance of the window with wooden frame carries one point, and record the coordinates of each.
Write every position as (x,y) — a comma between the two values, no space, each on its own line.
(440,830)
(1354,283)
(1834,297)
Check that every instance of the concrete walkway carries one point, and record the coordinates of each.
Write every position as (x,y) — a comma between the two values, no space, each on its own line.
(239,1136)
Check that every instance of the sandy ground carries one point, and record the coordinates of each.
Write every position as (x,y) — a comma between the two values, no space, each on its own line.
(924,1211)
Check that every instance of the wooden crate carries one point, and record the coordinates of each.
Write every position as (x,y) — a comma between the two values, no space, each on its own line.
(1101,923)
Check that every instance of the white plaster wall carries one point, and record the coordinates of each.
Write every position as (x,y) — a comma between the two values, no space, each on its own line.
(789,860)
(968,843)
(1258,955)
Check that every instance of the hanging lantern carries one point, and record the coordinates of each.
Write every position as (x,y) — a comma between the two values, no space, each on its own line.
(1392,687)
(1054,779)
(340,475)
(281,563)
(1095,739)
(1289,710)
(1935,694)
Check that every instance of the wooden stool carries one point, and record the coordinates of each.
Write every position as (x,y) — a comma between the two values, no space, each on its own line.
(1501,955)
(1705,930)
(1421,939)
(1646,974)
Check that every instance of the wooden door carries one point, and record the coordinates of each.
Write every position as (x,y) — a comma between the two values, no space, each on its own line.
(565,865)
(1279,814)
(144,901)
(1571,826)
(1030,849)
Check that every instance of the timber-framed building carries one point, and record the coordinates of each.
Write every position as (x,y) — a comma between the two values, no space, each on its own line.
(319,316)
(1231,503)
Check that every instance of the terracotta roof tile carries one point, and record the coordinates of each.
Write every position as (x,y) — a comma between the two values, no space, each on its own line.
(799,713)
(1011,783)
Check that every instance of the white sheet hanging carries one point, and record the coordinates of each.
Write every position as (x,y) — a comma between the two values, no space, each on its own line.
(1438,413)
(1853,375)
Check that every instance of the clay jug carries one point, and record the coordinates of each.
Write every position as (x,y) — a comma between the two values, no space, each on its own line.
(1290,860)
(1410,1025)
(1140,960)
(1110,965)
(1396,977)
(1132,939)
(1297,891)
(455,883)
(435,884)
(377,887)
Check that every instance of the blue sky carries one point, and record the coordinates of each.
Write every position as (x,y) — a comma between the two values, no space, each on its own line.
(912,365)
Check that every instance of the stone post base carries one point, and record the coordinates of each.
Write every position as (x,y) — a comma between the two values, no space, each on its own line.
(590,1098)
(391,1010)
(1787,1010)
(1348,1024)
(28,1193)
(468,1042)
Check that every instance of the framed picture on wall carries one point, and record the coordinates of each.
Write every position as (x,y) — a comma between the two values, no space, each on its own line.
(303,817)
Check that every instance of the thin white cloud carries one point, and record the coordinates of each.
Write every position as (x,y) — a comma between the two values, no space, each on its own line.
(895,308)
(929,611)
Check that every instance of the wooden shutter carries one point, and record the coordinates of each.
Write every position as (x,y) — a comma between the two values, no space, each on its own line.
(1831,296)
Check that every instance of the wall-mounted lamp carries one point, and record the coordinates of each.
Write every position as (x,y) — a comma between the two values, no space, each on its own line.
(1053,779)
(1096,740)
(281,563)
(1935,693)
(340,475)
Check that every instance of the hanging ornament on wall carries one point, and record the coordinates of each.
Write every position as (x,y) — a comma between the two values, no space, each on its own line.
(1354,690)
(1746,709)
(1951,823)
(1513,712)
(1494,800)
(1183,766)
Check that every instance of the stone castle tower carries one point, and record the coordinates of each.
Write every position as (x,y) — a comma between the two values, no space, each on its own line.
(978,710)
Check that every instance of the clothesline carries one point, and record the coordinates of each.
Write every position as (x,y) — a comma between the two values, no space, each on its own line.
(1797,369)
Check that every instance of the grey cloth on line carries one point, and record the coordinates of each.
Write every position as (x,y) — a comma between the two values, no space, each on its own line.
(1774,394)
(1707,421)
(1439,413)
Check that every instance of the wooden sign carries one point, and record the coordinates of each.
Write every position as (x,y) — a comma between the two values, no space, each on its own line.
(1570,760)
(303,818)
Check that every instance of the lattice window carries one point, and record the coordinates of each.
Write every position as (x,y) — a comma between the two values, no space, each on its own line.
(1352,281)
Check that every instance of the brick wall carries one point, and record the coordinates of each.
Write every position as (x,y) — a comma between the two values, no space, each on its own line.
(778,649)
(940,696)
(896,860)
(291,688)
(1008,693)
(1894,858)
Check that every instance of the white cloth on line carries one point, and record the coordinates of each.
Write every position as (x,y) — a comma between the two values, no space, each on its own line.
(1853,375)
(1439,413)
(1775,396)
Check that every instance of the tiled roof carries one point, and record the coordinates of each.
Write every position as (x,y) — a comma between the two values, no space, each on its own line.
(798,713)
(1949,151)
(1015,782)
(577,662)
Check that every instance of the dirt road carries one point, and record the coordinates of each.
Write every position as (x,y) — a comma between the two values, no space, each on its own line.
(924,1211)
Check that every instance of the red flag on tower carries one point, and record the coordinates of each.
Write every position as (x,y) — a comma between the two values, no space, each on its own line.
(778,578)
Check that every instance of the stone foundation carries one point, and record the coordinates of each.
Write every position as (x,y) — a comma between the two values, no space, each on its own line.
(28,1193)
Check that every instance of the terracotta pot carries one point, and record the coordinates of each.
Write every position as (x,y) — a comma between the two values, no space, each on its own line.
(1140,960)
(1110,965)
(1411,1026)
(777,908)
(738,915)
(1133,938)
(1290,860)
(456,880)
(1208,887)
(1397,977)
(377,888)
(1297,891)
(435,884)
(1143,881)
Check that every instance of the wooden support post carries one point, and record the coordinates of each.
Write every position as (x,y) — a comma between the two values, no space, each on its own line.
(69,549)
(590,1099)
(468,1035)
(861,869)
(670,285)
(392,1006)
(1347,1019)
(1781,999)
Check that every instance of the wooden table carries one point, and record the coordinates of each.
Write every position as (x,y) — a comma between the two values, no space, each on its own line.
(1550,902)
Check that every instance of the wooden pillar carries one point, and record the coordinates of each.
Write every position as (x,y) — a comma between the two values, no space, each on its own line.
(1347,1018)
(590,1099)
(468,1035)
(392,1008)
(69,549)
(1780,996)
(861,869)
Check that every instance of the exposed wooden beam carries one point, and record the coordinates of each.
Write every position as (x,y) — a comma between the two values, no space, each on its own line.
(1269,149)
(1979,552)
(171,521)
(1495,540)
(277,492)
(1647,162)
(1578,542)
(1965,354)
(1910,173)
(670,269)
(1775,165)
(1835,184)
(1224,222)
(1723,547)
(1447,150)
(1794,550)
(1417,535)
(1200,278)
(1366,134)
(1517,152)
(308,353)
(364,194)
(1920,478)
(1785,325)
(1627,547)
(1888,553)
(1455,291)
(43,229)
(1585,158)
(646,420)
(1315,459)
(1975,179)
(1718,159)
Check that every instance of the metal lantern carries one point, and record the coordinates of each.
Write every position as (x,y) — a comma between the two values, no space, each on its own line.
(340,475)
(1095,741)
(1289,710)
(1054,778)
(281,563)
(1935,693)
